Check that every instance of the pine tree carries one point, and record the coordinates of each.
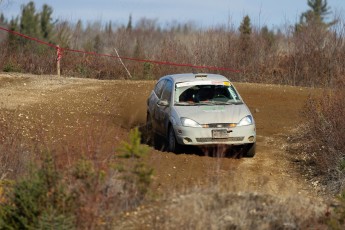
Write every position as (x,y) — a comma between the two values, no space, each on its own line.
(246,31)
(77,34)
(316,15)
(129,25)
(319,9)
(29,22)
(268,36)
(13,39)
(137,50)
(45,21)
(108,28)
(2,19)
(97,44)
(245,27)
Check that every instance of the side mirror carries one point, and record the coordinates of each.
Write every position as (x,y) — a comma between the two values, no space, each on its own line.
(164,103)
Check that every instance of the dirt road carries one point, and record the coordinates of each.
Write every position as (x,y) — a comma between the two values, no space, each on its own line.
(68,110)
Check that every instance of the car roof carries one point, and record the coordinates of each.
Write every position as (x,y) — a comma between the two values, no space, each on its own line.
(188,77)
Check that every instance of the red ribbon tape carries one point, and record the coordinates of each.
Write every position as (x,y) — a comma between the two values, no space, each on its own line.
(60,50)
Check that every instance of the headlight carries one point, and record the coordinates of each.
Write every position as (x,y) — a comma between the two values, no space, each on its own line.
(189,122)
(248,120)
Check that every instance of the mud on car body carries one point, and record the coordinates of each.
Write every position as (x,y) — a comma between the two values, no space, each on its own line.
(201,110)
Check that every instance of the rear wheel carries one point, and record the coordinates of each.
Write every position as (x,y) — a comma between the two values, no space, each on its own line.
(172,145)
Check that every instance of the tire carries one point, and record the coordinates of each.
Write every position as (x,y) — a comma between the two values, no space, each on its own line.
(149,134)
(250,150)
(172,145)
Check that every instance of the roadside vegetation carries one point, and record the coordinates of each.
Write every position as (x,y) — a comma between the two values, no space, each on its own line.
(310,53)
(86,193)
(36,193)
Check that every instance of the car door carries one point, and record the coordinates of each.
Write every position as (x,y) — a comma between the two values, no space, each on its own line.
(152,103)
(163,108)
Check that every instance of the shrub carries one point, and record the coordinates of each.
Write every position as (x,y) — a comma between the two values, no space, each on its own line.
(322,146)
(87,185)
(337,219)
(11,66)
(41,201)
(312,57)
(134,173)
(147,72)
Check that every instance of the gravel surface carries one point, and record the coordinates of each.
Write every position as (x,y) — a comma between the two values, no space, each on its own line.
(66,109)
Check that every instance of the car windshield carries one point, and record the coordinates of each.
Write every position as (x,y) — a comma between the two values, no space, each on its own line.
(190,93)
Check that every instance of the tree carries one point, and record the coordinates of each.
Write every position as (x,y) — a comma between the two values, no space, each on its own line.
(319,9)
(138,50)
(268,36)
(246,31)
(108,28)
(32,23)
(77,34)
(245,27)
(97,44)
(45,21)
(29,22)
(129,25)
(316,15)
(2,19)
(13,39)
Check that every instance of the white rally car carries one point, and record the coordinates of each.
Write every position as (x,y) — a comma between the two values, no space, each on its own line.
(199,109)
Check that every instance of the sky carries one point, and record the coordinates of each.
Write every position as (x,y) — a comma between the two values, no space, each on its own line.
(203,13)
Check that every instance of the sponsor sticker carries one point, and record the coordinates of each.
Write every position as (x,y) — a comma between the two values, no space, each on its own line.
(192,83)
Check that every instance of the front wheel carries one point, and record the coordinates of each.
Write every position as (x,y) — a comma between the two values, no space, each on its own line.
(250,150)
(172,145)
(149,135)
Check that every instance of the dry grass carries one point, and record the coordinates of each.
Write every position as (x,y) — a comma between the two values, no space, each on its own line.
(79,121)
(319,143)
(95,189)
(15,154)
(212,209)
(312,57)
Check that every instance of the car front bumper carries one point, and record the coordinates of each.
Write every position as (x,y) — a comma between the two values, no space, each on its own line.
(203,136)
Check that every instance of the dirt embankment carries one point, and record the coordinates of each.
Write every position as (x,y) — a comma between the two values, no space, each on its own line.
(69,109)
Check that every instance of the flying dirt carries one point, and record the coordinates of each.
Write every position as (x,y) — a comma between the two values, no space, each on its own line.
(68,110)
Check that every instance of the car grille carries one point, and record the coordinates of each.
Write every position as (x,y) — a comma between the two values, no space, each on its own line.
(220,125)
(209,139)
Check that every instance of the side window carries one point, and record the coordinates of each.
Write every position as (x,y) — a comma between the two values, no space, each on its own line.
(167,91)
(159,88)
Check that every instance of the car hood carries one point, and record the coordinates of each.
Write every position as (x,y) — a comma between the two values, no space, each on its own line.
(209,114)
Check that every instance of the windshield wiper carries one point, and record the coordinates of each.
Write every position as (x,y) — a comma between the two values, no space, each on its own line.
(205,103)
(184,104)
(222,103)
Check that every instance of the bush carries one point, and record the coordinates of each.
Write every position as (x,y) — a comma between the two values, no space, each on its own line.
(312,57)
(87,185)
(322,146)
(135,174)
(84,195)
(337,219)
(41,201)
(11,67)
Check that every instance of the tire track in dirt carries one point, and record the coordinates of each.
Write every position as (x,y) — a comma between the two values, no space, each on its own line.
(66,108)
(65,105)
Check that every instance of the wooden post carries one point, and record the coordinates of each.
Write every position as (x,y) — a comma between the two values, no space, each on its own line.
(58,60)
